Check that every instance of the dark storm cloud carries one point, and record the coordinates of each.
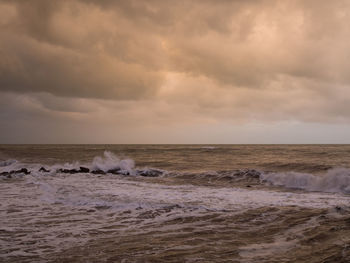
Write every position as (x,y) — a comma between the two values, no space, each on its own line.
(72,49)
(236,60)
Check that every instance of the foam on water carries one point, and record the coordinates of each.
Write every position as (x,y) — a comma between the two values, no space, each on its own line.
(200,215)
(78,190)
(208,147)
(7,162)
(51,212)
(334,181)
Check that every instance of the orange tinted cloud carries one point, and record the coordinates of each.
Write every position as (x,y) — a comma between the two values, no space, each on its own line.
(159,61)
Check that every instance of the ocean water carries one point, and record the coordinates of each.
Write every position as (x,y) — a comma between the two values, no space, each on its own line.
(174,203)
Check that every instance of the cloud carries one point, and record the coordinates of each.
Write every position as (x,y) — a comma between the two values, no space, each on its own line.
(123,49)
(161,62)
(75,50)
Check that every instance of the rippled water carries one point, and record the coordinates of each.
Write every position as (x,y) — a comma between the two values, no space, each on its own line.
(175,203)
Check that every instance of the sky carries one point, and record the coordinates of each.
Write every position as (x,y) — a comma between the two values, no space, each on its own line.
(164,71)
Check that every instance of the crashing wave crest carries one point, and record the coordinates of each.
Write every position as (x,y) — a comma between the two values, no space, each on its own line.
(336,180)
(112,162)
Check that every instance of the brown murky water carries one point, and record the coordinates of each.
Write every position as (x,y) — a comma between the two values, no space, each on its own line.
(204,204)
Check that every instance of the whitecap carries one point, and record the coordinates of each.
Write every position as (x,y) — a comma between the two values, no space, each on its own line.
(335,180)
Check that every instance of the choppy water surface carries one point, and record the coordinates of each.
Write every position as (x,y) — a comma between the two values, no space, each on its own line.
(175,203)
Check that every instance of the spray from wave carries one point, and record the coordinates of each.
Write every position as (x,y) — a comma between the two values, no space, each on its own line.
(111,162)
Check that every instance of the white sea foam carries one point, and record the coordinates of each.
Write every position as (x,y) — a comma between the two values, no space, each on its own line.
(334,181)
(7,162)
(67,210)
(121,193)
(208,147)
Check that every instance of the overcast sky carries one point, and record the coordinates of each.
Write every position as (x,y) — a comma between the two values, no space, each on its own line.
(165,71)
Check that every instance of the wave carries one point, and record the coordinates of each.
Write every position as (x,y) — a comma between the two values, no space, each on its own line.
(336,180)
(236,176)
(304,167)
(111,162)
(209,147)
(106,164)
(7,162)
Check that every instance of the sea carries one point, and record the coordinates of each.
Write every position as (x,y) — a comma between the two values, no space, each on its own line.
(175,203)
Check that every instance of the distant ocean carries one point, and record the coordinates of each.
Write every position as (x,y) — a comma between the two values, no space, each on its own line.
(175,203)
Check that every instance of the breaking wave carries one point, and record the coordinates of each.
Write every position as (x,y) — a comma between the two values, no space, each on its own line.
(111,162)
(335,180)
(106,164)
